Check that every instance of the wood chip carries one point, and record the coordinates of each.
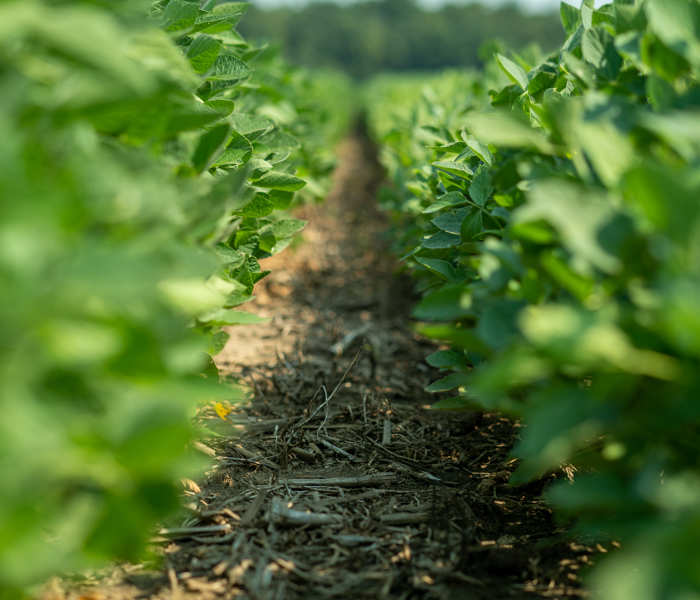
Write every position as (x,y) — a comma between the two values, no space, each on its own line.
(386,436)
(304,455)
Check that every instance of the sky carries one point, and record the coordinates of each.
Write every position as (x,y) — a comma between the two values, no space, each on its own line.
(528,5)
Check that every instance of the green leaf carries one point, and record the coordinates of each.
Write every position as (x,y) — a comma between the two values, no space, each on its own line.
(279,140)
(581,70)
(453,168)
(446,359)
(629,18)
(204,432)
(230,257)
(258,166)
(471,226)
(444,305)
(451,382)
(665,63)
(543,77)
(441,239)
(670,206)
(237,299)
(580,287)
(598,48)
(573,42)
(220,105)
(570,18)
(258,207)
(281,200)
(287,227)
(410,253)
(267,240)
(451,221)
(218,342)
(250,273)
(609,150)
(226,68)
(231,8)
(179,15)
(451,148)
(280,181)
(515,72)
(251,126)
(238,151)
(461,338)
(448,200)
(481,150)
(183,120)
(578,213)
(212,23)
(442,268)
(480,190)
(278,156)
(225,317)
(210,145)
(676,23)
(203,52)
(505,130)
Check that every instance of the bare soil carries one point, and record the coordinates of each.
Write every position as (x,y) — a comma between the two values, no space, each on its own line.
(337,481)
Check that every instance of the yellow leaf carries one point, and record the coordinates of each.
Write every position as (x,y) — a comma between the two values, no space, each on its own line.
(222,411)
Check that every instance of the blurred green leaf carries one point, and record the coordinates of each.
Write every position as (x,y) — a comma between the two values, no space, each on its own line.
(210,146)
(445,359)
(514,71)
(179,14)
(218,342)
(480,190)
(443,305)
(279,181)
(202,53)
(227,68)
(451,221)
(451,382)
(446,201)
(230,317)
(453,168)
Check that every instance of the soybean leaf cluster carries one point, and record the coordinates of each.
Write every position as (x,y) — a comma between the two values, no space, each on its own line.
(145,167)
(554,233)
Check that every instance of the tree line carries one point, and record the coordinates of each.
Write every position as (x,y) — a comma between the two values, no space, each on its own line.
(396,35)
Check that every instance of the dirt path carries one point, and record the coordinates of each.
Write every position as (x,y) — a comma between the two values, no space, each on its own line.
(344,484)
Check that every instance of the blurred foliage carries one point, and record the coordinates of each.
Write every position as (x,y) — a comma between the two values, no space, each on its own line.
(365,38)
(316,106)
(146,157)
(553,226)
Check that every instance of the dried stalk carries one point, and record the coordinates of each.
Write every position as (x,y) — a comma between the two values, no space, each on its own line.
(178,532)
(339,348)
(337,449)
(362,481)
(404,518)
(281,514)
